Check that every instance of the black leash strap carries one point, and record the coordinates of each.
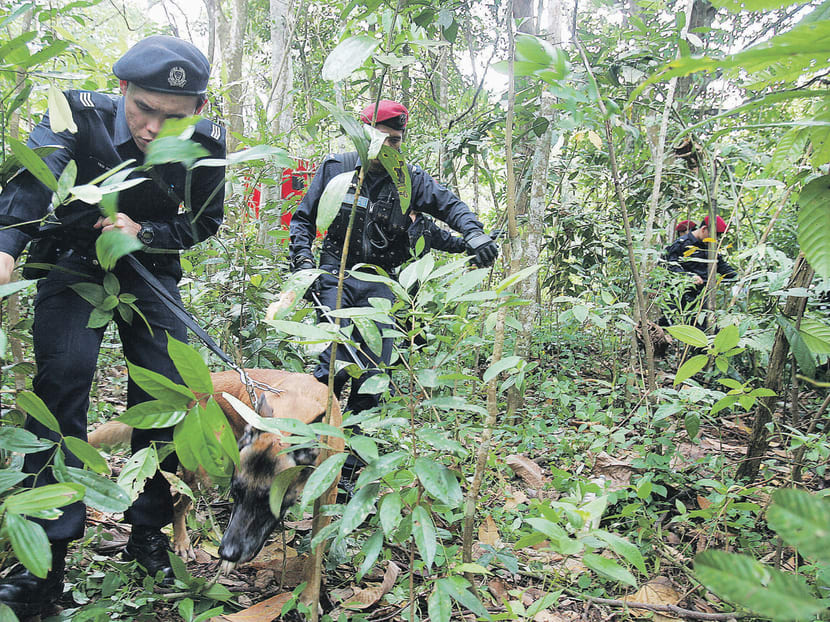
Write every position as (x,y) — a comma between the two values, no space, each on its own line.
(185,318)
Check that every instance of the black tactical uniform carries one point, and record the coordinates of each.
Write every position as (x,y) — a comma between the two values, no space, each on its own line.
(380,237)
(66,351)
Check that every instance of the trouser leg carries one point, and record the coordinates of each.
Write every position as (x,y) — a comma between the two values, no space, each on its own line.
(66,353)
(154,506)
(327,289)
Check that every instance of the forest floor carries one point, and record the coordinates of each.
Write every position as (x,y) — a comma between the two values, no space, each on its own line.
(262,586)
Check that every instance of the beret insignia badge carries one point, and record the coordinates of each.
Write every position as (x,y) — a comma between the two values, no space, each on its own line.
(177,77)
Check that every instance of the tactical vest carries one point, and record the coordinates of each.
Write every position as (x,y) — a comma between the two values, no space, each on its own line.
(380,230)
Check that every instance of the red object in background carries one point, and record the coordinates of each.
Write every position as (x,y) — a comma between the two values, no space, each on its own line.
(294,184)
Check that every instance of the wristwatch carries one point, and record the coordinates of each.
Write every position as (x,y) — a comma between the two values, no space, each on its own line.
(146,234)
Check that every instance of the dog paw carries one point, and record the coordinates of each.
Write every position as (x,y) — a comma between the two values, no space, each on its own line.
(185,550)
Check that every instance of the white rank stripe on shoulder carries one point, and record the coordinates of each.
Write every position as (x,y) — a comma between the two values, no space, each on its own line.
(215,131)
(86,99)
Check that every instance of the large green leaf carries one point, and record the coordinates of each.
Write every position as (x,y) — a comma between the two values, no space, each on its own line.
(458,589)
(37,409)
(816,335)
(9,478)
(499,366)
(438,481)
(803,521)
(352,127)
(322,478)
(30,544)
(173,149)
(389,511)
(87,454)
(32,162)
(762,589)
(141,466)
(21,441)
(175,395)
(60,114)
(814,224)
(12,288)
(426,538)
(112,245)
(727,338)
(380,467)
(333,196)
(190,366)
(690,368)
(622,547)
(371,549)
(100,493)
(803,356)
(153,414)
(44,498)
(349,55)
(688,334)
(395,165)
(439,605)
(307,332)
(280,486)
(219,434)
(358,508)
(608,568)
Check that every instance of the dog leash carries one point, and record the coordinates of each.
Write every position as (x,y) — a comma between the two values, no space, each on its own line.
(176,308)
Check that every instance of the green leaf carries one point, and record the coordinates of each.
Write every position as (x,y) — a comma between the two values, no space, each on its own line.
(30,544)
(153,414)
(736,6)
(390,512)
(173,149)
(32,163)
(60,114)
(307,332)
(692,424)
(352,127)
(98,318)
(93,293)
(322,478)
(12,288)
(748,583)
(439,441)
(190,366)
(426,539)
(608,568)
(726,339)
(282,482)
(439,605)
(533,49)
(333,196)
(802,353)
(395,165)
(622,547)
(44,498)
(219,437)
(499,366)
(161,388)
(37,409)
(438,481)
(814,224)
(141,466)
(559,539)
(22,441)
(66,181)
(458,589)
(371,549)
(803,521)
(112,245)
(689,334)
(100,493)
(358,508)
(348,56)
(690,368)
(10,478)
(87,454)
(380,467)
(816,335)
(276,155)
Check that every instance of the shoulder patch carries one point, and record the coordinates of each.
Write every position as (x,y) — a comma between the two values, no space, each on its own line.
(212,130)
(90,100)
(85,98)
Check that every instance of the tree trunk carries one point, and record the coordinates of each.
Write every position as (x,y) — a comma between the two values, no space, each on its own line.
(281,107)
(231,37)
(802,276)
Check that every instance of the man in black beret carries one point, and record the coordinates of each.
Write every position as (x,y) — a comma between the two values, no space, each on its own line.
(161,78)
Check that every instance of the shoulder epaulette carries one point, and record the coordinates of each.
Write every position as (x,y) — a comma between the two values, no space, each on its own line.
(212,130)
(90,100)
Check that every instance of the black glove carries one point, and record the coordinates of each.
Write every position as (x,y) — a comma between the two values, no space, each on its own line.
(304,263)
(482,247)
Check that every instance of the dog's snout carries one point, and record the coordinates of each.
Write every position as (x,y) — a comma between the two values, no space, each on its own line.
(229,552)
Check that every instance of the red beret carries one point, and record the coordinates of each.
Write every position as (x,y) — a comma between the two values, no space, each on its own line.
(685,225)
(390,113)
(721,225)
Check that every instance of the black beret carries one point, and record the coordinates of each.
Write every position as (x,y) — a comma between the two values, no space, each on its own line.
(165,64)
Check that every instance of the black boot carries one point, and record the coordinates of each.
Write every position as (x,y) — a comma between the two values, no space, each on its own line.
(28,595)
(149,547)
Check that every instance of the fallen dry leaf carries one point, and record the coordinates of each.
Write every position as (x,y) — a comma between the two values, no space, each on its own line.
(528,470)
(658,591)
(285,300)
(498,590)
(617,472)
(261,612)
(299,525)
(703,503)
(272,555)
(371,595)
(488,532)
(514,499)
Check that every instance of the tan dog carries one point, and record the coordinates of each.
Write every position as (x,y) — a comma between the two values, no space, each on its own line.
(262,456)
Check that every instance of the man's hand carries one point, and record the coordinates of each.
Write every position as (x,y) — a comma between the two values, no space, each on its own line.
(122,223)
(698,279)
(6,268)
(482,247)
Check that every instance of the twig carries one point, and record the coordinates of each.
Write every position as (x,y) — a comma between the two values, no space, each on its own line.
(686,613)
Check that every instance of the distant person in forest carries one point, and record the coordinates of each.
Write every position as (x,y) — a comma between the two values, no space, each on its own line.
(161,78)
(690,254)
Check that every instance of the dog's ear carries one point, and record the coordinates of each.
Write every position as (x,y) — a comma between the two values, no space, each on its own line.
(248,436)
(263,408)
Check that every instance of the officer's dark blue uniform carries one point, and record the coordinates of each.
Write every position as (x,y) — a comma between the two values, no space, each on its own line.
(66,351)
(382,243)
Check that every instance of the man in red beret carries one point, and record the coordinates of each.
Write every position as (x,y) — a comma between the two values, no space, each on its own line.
(684,226)
(380,236)
(690,253)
